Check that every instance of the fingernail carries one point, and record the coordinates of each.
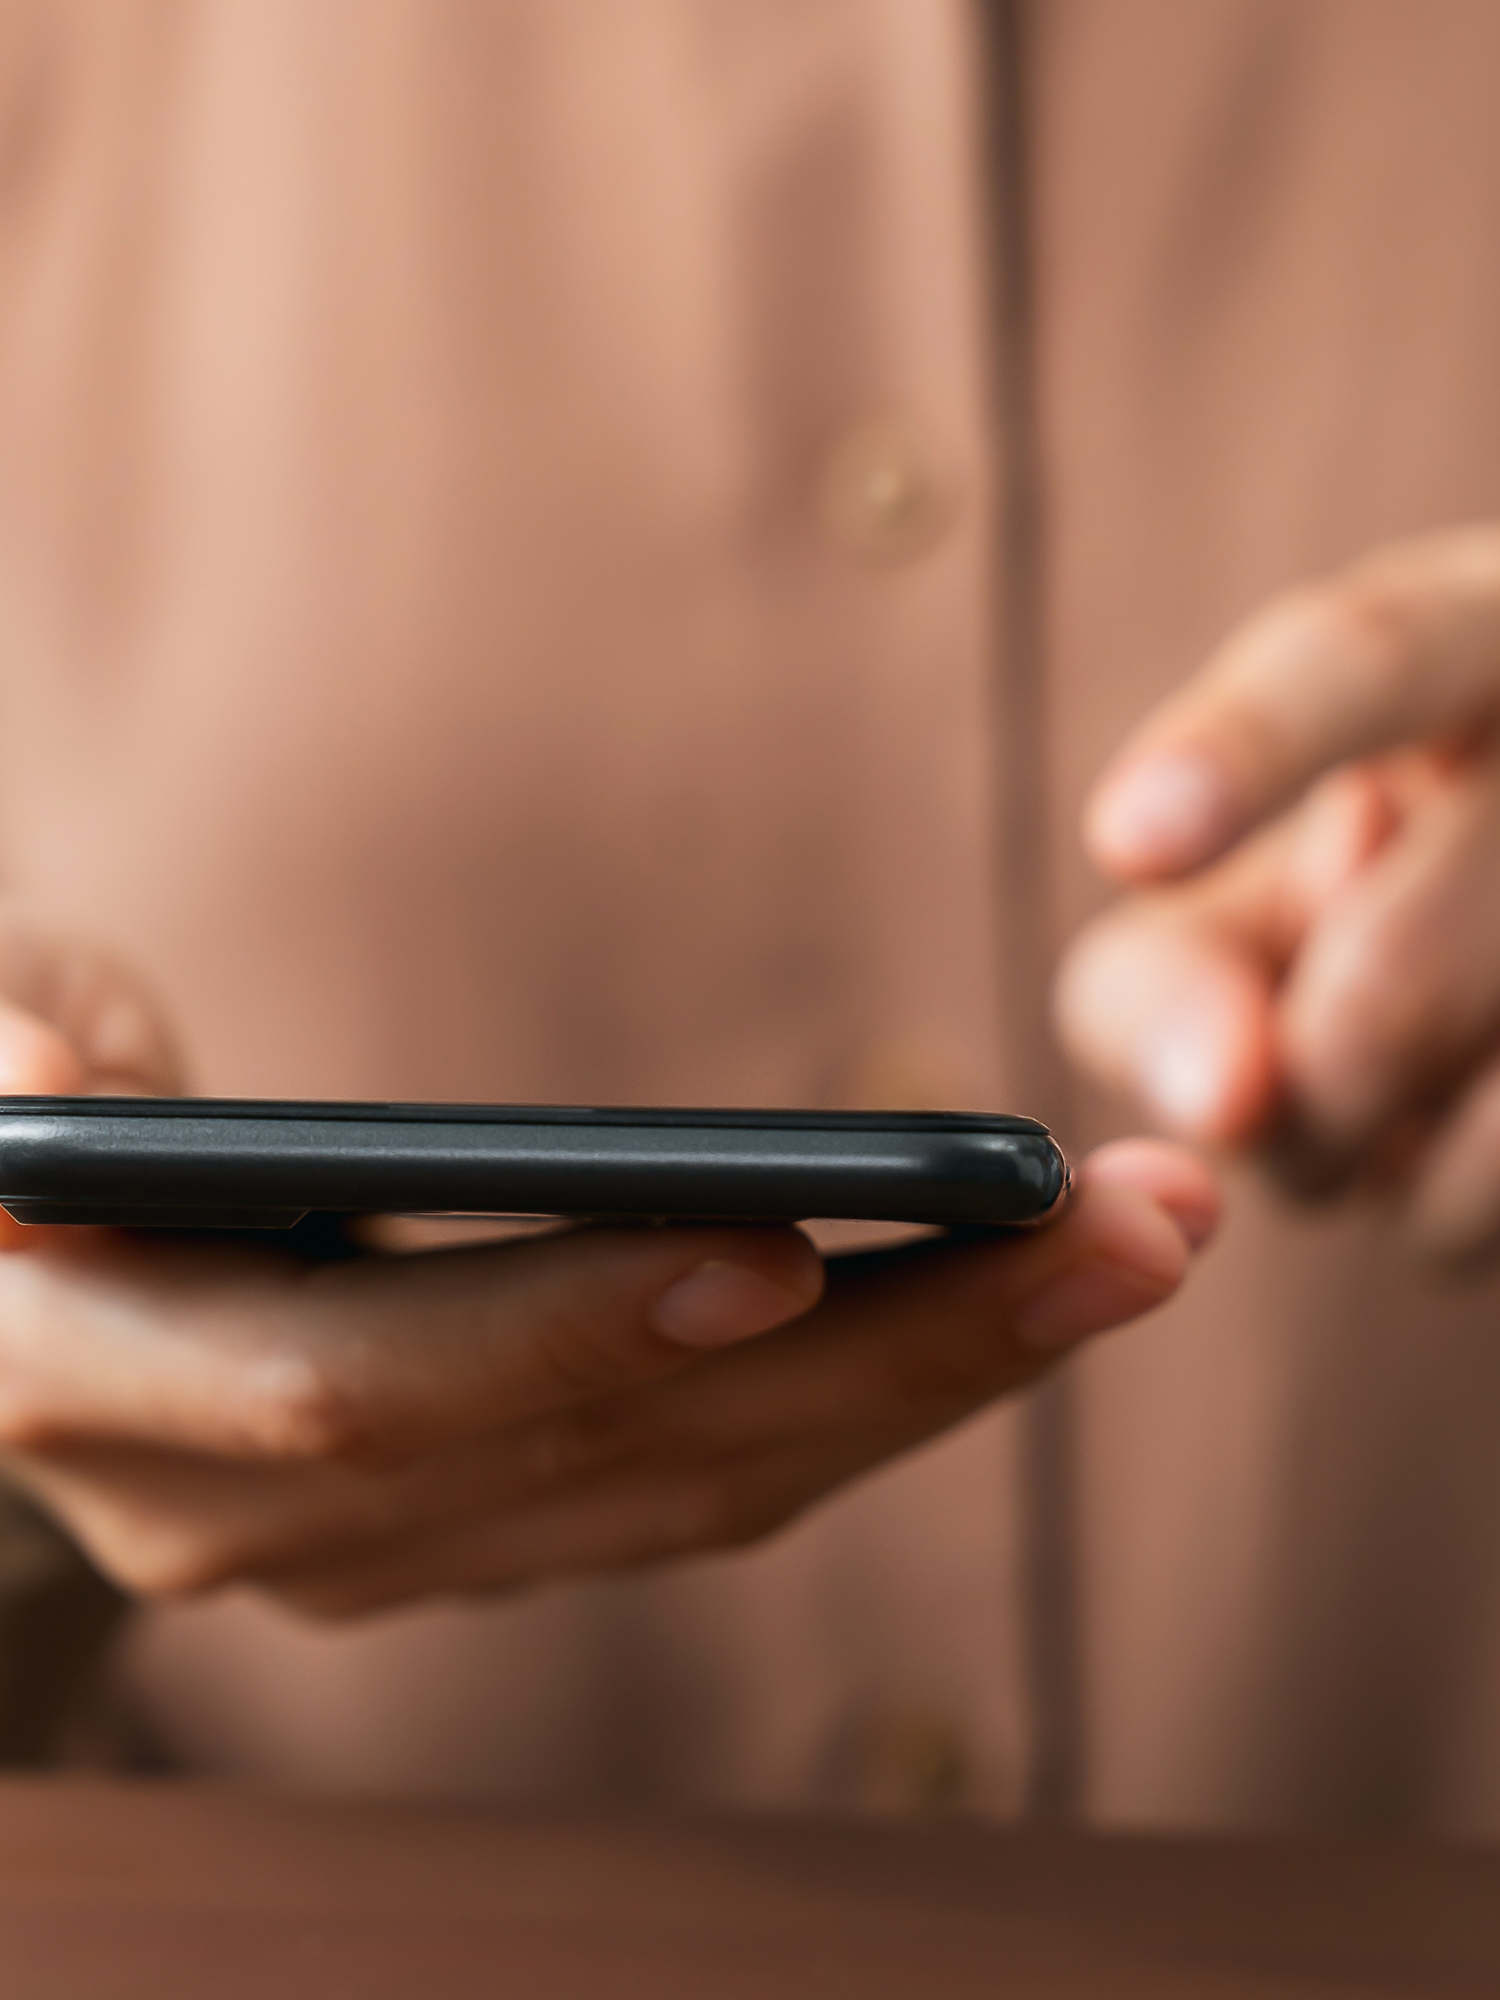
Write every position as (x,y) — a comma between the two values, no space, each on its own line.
(1167,811)
(1181,1072)
(1088,1300)
(721,1303)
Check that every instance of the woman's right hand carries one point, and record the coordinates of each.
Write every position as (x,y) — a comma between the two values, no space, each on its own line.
(353,1434)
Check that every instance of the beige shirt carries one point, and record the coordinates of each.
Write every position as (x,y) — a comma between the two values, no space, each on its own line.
(509,588)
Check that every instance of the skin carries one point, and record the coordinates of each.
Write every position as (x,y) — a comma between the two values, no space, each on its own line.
(1306,966)
(352,1435)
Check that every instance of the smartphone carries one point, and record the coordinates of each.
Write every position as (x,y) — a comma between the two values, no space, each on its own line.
(175,1163)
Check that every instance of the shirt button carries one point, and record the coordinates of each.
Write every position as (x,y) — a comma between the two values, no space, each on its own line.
(884,500)
(910,1761)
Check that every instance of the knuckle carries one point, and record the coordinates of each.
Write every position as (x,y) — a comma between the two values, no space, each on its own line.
(585,1352)
(575,1355)
(1376,999)
(28,1425)
(299,1407)
(1371,1026)
(165,1563)
(575,1447)
(558,1454)
(175,1553)
(1369,619)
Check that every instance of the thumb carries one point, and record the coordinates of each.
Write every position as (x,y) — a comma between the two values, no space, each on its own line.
(36,1060)
(75,1020)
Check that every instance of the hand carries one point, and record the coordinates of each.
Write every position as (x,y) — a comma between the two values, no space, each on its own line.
(1311,966)
(353,1434)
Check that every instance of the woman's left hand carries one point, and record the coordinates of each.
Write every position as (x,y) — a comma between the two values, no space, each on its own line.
(1308,967)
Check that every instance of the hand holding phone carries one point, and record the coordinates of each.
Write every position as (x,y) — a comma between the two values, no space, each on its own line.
(349,1435)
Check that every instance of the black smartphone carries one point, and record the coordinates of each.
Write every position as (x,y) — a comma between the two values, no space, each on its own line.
(177,1163)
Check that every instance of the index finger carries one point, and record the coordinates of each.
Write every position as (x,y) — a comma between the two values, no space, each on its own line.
(252,1355)
(1402,647)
